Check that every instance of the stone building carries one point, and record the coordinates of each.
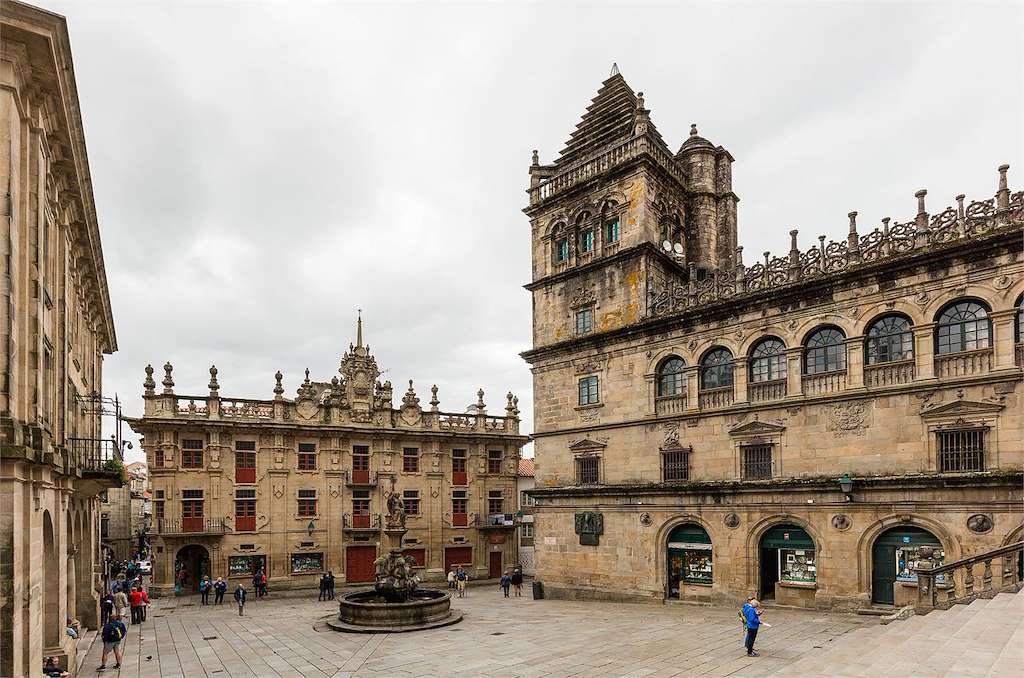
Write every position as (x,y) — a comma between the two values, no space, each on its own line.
(296,487)
(55,327)
(527,560)
(795,428)
(124,511)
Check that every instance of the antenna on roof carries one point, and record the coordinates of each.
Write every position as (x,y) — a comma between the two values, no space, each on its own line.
(615,70)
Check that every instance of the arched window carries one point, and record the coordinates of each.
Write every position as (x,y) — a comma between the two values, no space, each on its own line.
(1019,320)
(560,244)
(671,380)
(716,369)
(962,326)
(889,339)
(825,351)
(768,360)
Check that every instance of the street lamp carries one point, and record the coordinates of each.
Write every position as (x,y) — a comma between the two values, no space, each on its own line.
(310,528)
(846,486)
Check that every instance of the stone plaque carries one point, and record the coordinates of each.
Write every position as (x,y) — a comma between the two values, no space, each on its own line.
(590,527)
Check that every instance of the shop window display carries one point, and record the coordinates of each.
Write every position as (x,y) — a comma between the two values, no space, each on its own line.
(797,566)
(307,562)
(245,565)
(908,557)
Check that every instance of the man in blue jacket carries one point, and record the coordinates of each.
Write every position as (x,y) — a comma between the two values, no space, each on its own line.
(752,613)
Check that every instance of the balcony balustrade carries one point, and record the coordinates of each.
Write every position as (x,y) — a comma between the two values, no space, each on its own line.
(828,382)
(764,391)
(190,526)
(889,374)
(963,364)
(717,397)
(675,404)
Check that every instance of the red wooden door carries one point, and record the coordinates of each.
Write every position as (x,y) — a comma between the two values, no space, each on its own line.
(359,563)
(245,467)
(361,465)
(459,555)
(494,571)
(459,467)
(192,516)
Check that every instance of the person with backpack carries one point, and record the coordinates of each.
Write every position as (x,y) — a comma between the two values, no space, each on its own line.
(106,607)
(113,634)
(240,599)
(506,583)
(220,587)
(121,604)
(517,581)
(460,579)
(751,615)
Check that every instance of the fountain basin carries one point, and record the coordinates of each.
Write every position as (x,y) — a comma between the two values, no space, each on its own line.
(369,612)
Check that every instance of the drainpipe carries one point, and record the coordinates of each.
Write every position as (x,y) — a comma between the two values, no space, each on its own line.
(8,284)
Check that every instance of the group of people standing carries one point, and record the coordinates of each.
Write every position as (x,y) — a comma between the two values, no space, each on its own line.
(327,586)
(218,587)
(457,579)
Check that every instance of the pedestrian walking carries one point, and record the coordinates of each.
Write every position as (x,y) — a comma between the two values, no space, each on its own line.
(257,579)
(135,600)
(517,581)
(106,607)
(145,602)
(220,587)
(460,579)
(323,588)
(330,585)
(752,614)
(121,605)
(204,589)
(506,582)
(451,578)
(240,599)
(113,634)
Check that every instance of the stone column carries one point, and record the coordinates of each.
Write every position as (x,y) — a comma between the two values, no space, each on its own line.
(794,360)
(740,373)
(1002,338)
(924,351)
(855,362)
(692,388)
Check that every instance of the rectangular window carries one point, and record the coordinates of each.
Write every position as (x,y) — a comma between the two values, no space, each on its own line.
(962,450)
(588,391)
(494,461)
(458,467)
(675,465)
(158,509)
(191,510)
(410,460)
(495,502)
(158,457)
(245,461)
(307,562)
(587,471)
(104,527)
(307,503)
(460,508)
(360,464)
(584,320)
(192,453)
(561,250)
(587,241)
(411,499)
(757,462)
(307,457)
(797,565)
(245,510)
(526,499)
(360,508)
(526,530)
(611,230)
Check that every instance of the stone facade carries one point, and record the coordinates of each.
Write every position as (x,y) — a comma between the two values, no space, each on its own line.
(694,415)
(298,486)
(124,511)
(527,557)
(55,327)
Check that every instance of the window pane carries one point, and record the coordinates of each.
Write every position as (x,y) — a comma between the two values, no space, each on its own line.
(825,352)
(671,378)
(768,361)
(716,369)
(588,391)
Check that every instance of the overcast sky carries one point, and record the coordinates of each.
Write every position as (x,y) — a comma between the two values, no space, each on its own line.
(262,170)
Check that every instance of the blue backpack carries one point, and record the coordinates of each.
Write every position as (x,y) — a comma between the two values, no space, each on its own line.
(113,632)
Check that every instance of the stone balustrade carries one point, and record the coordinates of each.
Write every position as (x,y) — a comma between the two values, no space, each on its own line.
(764,391)
(966,579)
(964,364)
(670,404)
(889,374)
(821,384)
(716,397)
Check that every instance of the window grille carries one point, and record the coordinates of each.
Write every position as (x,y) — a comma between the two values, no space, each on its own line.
(962,450)
(587,469)
(675,465)
(757,462)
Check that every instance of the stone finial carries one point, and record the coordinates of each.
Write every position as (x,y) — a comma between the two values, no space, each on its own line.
(853,223)
(168,380)
(920,201)
(307,377)
(480,407)
(792,241)
(885,225)
(278,387)
(434,402)
(149,384)
(639,101)
(1003,194)
(739,256)
(614,71)
(536,158)
(509,408)
(410,399)
(693,129)
(214,386)
(359,328)
(1003,185)
(960,207)
(515,405)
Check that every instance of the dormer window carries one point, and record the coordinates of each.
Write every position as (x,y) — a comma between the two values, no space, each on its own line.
(587,241)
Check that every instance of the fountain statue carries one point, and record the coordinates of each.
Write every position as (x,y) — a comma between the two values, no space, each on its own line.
(396,602)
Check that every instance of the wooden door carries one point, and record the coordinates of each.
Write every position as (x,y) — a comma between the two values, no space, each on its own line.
(359,563)
(494,570)
(192,515)
(883,573)
(459,555)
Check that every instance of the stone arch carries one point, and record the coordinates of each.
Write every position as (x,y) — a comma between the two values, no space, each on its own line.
(977,293)
(1013,536)
(772,332)
(899,307)
(660,356)
(804,329)
(752,545)
(195,560)
(661,545)
(871,533)
(705,346)
(49,581)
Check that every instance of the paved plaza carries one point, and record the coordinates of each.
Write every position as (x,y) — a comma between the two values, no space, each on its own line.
(283,637)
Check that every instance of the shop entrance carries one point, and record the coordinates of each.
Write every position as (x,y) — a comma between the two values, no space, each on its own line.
(893,557)
(786,555)
(689,559)
(191,563)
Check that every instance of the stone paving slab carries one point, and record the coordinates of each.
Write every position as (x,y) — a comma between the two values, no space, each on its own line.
(498,638)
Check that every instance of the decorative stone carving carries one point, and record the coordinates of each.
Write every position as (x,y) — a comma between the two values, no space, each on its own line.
(590,527)
(979,523)
(849,418)
(645,519)
(584,296)
(732,521)
(588,365)
(841,522)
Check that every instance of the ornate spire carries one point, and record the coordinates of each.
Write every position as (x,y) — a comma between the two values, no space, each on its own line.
(149,384)
(480,407)
(614,71)
(410,399)
(359,328)
(278,388)
(168,381)
(214,386)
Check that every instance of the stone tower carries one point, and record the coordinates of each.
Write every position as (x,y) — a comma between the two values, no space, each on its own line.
(617,206)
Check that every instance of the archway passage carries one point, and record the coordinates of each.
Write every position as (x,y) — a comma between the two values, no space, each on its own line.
(689,559)
(787,555)
(893,556)
(53,625)
(191,563)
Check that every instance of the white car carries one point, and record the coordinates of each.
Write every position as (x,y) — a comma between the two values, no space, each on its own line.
(145,567)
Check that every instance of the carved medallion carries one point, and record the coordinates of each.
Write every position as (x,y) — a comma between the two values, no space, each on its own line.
(849,418)
(979,523)
(645,519)
(306,409)
(841,522)
(732,521)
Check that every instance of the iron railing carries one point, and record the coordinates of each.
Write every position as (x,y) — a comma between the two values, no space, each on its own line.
(200,525)
(98,455)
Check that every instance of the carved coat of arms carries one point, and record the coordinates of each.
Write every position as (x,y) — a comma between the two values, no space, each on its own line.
(590,527)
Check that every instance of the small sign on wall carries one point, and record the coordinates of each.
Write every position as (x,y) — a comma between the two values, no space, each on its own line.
(550,541)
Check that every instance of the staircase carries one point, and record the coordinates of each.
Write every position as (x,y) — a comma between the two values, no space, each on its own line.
(982,639)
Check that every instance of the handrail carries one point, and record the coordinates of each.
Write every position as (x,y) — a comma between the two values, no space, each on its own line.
(981,557)
(957,581)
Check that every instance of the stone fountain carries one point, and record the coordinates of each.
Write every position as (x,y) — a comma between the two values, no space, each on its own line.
(396,603)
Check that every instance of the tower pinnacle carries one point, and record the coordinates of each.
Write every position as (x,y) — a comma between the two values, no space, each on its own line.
(359,328)
(615,70)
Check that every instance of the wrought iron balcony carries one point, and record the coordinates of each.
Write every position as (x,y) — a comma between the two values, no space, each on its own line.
(361,478)
(96,455)
(498,521)
(190,526)
(364,522)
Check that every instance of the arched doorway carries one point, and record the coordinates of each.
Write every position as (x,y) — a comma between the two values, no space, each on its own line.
(893,556)
(689,559)
(787,555)
(52,626)
(191,563)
